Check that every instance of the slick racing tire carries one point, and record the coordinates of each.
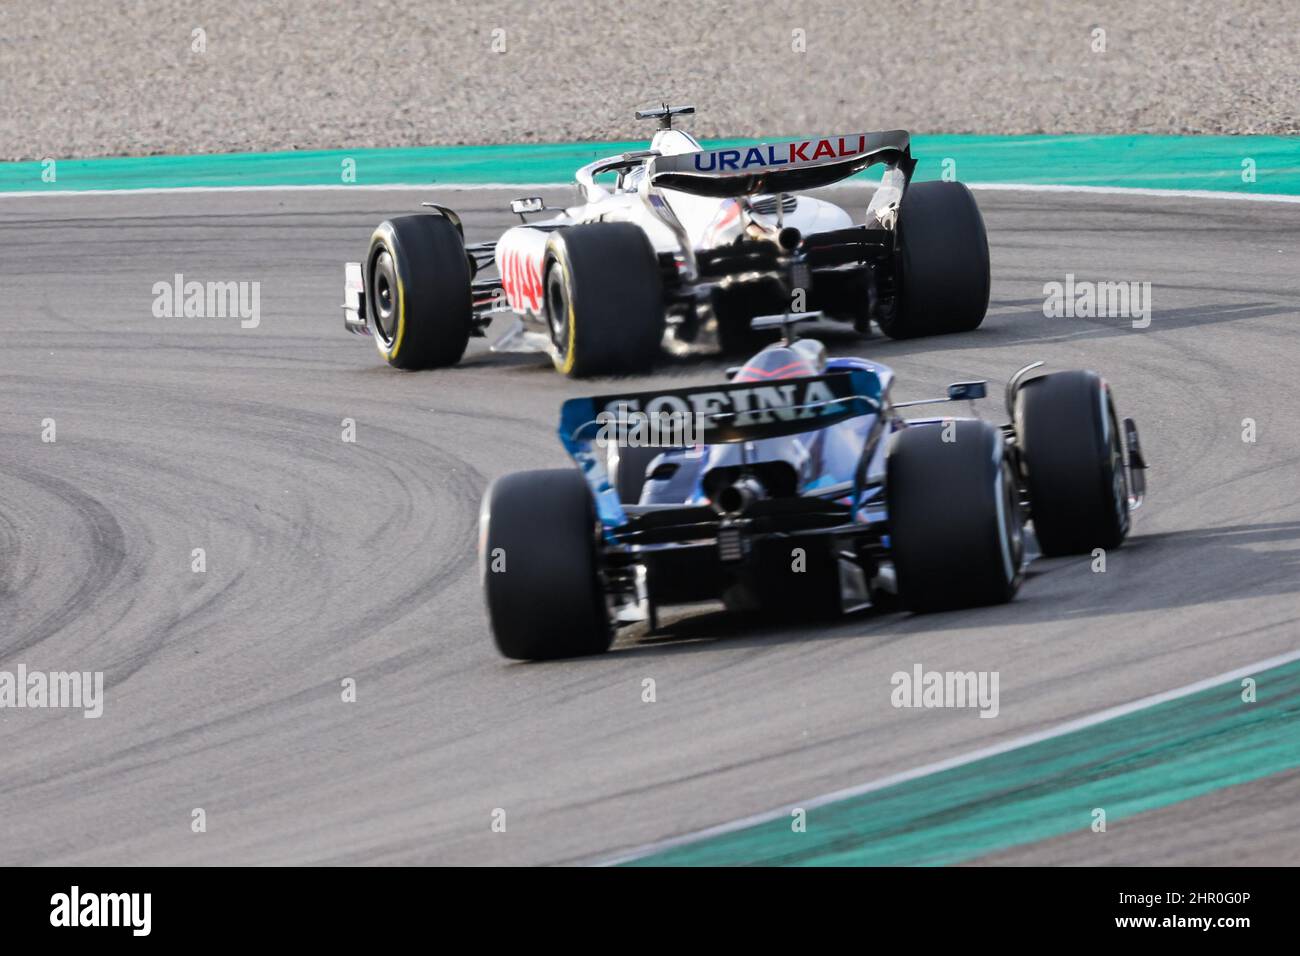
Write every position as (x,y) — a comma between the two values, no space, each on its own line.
(942,265)
(955,527)
(418,292)
(604,299)
(1072,452)
(538,537)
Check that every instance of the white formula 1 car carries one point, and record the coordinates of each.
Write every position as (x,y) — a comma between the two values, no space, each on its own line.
(678,253)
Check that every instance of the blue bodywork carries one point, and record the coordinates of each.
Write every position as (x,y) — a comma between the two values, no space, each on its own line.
(826,454)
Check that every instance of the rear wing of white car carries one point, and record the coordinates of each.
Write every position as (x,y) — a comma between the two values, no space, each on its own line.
(791,166)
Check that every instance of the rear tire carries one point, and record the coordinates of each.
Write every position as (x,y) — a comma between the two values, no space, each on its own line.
(538,532)
(418,292)
(955,529)
(1073,454)
(604,299)
(943,263)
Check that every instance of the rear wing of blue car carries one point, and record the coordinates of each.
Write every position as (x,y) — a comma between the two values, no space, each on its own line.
(791,166)
(703,415)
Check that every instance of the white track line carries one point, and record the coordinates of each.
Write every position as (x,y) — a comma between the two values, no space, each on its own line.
(1137,191)
(522,187)
(961,760)
(320,187)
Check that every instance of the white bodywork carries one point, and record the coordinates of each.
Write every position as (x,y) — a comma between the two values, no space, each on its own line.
(706,221)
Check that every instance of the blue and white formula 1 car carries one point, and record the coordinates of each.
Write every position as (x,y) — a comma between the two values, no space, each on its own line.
(677,254)
(797,487)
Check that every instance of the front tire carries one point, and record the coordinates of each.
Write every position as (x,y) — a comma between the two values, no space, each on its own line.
(538,533)
(942,263)
(604,299)
(1073,454)
(955,528)
(418,292)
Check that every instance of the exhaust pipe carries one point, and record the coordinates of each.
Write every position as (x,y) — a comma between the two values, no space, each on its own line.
(735,498)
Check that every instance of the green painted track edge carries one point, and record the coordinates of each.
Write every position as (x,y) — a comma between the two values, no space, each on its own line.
(1232,164)
(1141,761)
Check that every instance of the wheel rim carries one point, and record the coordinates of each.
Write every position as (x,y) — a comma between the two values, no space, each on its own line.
(383,293)
(1118,478)
(557,309)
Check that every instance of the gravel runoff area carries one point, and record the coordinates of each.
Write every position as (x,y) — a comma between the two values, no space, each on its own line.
(140,77)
